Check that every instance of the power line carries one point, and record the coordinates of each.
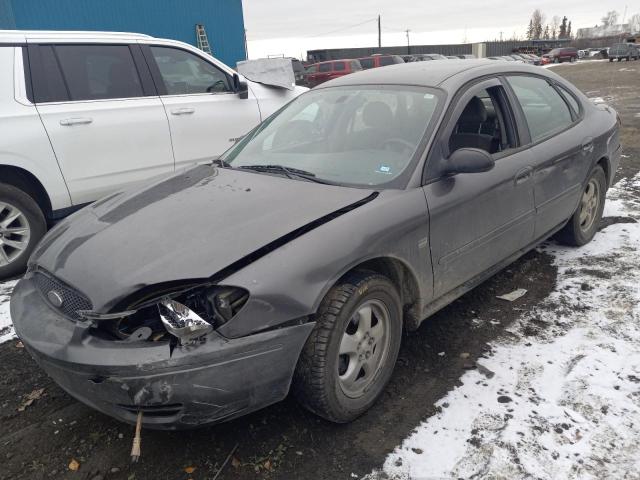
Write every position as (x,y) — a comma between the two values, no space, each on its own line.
(343,28)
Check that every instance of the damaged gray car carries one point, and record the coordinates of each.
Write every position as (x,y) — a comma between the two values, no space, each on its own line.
(295,262)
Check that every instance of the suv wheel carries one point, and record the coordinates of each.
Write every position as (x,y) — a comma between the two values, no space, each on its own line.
(350,354)
(22,225)
(573,59)
(583,225)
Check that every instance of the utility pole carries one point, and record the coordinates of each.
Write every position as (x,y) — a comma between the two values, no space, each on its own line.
(408,42)
(379,31)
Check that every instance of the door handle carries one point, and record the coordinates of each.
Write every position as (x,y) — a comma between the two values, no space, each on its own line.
(183,111)
(523,175)
(68,122)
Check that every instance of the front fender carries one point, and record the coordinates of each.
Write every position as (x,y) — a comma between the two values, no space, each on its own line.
(290,282)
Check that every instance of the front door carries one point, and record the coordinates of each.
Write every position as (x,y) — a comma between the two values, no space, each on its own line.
(106,127)
(206,116)
(478,220)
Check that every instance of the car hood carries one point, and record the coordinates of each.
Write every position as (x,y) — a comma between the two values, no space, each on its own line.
(188,226)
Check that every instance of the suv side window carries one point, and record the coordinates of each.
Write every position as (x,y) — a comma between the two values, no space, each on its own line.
(184,73)
(324,67)
(96,72)
(543,107)
(384,61)
(338,66)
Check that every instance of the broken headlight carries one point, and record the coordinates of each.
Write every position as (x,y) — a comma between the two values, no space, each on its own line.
(185,314)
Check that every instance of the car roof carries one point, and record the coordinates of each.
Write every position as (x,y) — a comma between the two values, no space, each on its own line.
(9,36)
(432,74)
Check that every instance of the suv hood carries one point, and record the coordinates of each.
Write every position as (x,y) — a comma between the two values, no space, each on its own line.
(188,226)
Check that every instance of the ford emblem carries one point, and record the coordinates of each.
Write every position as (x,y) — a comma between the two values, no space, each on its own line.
(55,298)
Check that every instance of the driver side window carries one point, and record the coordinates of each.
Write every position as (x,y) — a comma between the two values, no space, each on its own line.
(184,73)
(484,124)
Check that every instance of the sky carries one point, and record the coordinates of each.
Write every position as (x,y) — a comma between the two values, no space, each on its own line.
(291,27)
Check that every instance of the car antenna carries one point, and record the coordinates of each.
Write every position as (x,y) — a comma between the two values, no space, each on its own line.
(137,439)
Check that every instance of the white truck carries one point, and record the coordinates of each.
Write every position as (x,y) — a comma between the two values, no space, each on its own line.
(85,113)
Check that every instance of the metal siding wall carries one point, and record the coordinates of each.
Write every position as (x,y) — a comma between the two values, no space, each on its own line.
(174,19)
(339,53)
(7,22)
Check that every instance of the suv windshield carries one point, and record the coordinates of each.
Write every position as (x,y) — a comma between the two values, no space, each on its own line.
(354,135)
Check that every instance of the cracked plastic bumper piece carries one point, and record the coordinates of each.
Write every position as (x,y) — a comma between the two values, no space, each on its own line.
(215,380)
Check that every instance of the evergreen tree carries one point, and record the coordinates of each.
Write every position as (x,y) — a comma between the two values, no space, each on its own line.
(530,30)
(563,28)
(545,35)
(569,30)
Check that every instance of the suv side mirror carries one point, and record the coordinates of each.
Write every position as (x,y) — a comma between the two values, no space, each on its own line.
(469,160)
(240,87)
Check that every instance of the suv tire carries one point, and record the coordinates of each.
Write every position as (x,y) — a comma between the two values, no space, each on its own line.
(351,353)
(22,225)
(584,223)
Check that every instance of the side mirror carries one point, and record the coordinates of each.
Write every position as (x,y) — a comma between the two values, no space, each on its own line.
(240,87)
(469,160)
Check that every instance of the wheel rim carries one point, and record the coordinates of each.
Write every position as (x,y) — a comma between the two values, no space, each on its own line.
(589,205)
(364,348)
(14,233)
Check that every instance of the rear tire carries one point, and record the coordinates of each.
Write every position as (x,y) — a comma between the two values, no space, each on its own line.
(351,353)
(22,225)
(584,223)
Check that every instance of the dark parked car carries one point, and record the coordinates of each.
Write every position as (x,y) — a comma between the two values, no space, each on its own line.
(297,259)
(375,61)
(324,71)
(466,56)
(559,55)
(624,51)
(298,72)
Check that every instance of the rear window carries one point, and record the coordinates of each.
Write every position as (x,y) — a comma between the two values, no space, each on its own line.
(324,67)
(339,67)
(366,63)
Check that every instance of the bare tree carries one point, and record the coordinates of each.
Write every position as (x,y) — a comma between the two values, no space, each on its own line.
(610,19)
(537,20)
(634,23)
(555,24)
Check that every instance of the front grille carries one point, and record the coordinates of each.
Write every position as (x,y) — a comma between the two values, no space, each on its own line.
(72,300)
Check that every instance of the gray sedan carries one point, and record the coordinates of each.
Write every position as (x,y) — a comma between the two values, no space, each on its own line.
(297,259)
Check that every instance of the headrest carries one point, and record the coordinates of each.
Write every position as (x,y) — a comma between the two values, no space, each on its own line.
(474,112)
(377,115)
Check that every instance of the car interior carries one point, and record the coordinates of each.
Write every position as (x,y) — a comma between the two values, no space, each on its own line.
(482,124)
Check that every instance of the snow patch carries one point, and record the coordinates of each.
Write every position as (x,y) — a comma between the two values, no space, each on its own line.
(564,400)
(6,327)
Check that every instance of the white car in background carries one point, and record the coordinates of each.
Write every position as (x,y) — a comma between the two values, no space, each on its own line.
(87,113)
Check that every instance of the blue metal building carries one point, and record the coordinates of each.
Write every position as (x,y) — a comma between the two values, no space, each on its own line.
(174,19)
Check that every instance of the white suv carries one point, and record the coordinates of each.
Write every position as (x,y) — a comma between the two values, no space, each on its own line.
(85,113)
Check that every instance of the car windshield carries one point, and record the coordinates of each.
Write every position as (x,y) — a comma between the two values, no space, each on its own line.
(353,135)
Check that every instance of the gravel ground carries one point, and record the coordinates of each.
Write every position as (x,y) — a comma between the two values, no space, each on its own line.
(42,429)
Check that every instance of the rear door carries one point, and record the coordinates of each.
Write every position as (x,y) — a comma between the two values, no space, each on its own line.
(562,153)
(477,220)
(106,124)
(205,114)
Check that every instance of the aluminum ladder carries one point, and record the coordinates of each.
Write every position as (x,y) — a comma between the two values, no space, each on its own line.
(203,41)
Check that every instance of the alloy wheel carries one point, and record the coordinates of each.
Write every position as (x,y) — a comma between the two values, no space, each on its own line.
(589,205)
(364,348)
(14,233)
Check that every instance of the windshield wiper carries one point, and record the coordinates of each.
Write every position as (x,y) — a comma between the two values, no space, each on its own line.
(288,172)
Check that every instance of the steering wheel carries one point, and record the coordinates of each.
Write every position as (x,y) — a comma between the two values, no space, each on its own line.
(217,85)
(401,142)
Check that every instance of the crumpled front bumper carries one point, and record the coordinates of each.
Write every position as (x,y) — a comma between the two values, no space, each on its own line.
(211,382)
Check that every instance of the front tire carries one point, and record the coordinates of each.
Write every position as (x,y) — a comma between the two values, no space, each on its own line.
(583,225)
(351,353)
(22,225)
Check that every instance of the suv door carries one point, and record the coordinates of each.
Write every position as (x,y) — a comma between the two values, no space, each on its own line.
(107,126)
(205,114)
(478,220)
(562,154)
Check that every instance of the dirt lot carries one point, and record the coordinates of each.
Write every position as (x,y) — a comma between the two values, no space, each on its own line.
(284,441)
